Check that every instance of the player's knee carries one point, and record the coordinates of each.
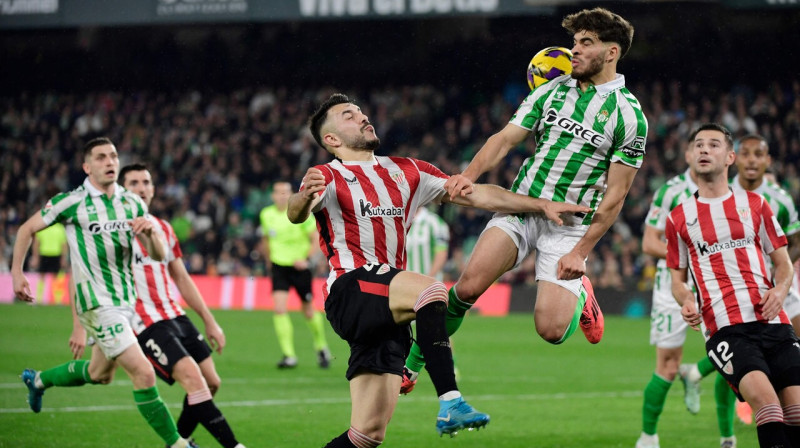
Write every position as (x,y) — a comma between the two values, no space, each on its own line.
(468,289)
(213,384)
(435,294)
(550,333)
(101,377)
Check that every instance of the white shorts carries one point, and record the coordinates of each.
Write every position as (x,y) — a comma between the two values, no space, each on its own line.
(112,328)
(667,327)
(551,242)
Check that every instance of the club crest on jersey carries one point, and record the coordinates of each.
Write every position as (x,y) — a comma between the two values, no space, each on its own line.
(399,178)
(560,94)
(383,269)
(744,213)
(602,116)
(573,127)
(370,211)
(96,228)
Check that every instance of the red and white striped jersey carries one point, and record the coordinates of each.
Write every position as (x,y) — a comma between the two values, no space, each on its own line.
(723,242)
(366,210)
(155,300)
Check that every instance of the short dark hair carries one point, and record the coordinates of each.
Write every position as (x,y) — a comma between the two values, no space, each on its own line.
(608,26)
(758,137)
(91,144)
(713,127)
(318,118)
(132,167)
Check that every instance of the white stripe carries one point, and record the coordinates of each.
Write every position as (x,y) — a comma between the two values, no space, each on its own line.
(226,293)
(249,293)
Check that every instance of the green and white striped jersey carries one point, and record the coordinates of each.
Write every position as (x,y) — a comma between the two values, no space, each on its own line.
(428,236)
(578,135)
(99,237)
(779,201)
(675,191)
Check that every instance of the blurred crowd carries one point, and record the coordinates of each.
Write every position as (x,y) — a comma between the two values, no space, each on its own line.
(215,155)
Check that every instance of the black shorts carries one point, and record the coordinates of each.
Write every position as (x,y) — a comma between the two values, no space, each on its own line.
(739,349)
(166,342)
(358,310)
(285,276)
(49,264)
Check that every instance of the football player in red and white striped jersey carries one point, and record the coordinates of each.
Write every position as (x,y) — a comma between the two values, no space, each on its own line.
(364,205)
(721,237)
(171,342)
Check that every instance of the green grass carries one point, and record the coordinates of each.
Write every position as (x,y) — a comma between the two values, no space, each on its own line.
(539,395)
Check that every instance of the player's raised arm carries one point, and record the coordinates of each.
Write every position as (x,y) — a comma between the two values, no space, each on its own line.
(490,154)
(498,199)
(301,203)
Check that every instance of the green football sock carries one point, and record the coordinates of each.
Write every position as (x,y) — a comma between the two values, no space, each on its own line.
(655,394)
(285,333)
(726,406)
(73,373)
(317,327)
(156,414)
(576,318)
(705,367)
(456,310)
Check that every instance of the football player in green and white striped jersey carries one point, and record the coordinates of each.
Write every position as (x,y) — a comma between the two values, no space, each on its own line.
(101,219)
(427,243)
(590,136)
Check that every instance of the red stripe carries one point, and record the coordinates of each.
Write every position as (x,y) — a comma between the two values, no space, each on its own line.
(399,223)
(352,234)
(700,282)
(378,289)
(757,203)
(153,290)
(378,226)
(146,320)
(165,280)
(158,367)
(742,260)
(706,219)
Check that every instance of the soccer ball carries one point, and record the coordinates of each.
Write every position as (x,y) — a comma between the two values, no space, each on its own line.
(548,64)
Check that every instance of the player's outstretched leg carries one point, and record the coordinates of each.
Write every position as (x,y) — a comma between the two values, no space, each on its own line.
(591,320)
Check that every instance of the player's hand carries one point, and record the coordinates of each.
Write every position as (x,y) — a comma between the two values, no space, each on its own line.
(142,226)
(22,289)
(554,210)
(571,266)
(215,336)
(313,184)
(77,341)
(771,304)
(458,185)
(690,314)
(301,265)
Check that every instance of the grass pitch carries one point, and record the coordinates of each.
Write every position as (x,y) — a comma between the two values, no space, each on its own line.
(538,395)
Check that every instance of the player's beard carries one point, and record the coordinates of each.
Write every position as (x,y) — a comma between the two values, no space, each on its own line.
(594,67)
(360,142)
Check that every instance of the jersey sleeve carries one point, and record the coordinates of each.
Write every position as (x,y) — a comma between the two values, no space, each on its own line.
(677,252)
(529,112)
(173,245)
(431,182)
(59,208)
(770,232)
(329,193)
(659,210)
(630,135)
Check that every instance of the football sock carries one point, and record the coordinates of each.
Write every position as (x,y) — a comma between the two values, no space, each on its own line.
(576,318)
(433,339)
(352,439)
(73,373)
(207,413)
(285,334)
(187,422)
(655,394)
(770,427)
(317,327)
(456,309)
(705,367)
(726,406)
(156,414)
(791,418)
